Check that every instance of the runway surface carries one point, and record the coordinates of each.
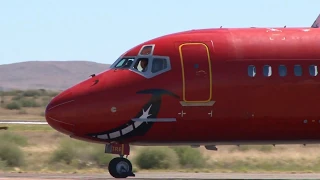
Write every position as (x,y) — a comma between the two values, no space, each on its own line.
(159,176)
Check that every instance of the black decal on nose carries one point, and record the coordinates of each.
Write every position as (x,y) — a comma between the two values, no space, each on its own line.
(149,110)
(155,101)
(95,82)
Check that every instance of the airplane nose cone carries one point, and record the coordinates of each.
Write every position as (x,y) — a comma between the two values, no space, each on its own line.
(60,112)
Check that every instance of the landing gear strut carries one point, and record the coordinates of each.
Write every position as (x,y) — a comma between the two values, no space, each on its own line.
(119,167)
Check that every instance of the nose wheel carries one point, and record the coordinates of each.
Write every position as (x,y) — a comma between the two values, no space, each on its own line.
(120,167)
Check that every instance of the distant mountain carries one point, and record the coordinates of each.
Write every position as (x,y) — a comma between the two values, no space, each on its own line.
(53,75)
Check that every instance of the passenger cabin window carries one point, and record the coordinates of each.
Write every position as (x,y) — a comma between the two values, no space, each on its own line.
(252,71)
(267,71)
(297,70)
(282,70)
(313,70)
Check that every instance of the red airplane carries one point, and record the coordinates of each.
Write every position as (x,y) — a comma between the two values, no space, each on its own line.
(223,86)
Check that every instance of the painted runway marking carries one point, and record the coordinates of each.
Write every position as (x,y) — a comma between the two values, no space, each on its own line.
(24,122)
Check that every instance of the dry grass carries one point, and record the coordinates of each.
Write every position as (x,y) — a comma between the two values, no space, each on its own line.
(41,146)
(282,158)
(24,113)
(21,128)
(32,114)
(42,141)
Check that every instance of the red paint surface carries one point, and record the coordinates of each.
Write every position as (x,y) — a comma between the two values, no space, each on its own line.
(259,109)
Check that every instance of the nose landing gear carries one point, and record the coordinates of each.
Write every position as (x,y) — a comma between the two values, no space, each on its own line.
(119,167)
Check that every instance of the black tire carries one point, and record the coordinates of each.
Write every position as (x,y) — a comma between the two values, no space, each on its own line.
(115,165)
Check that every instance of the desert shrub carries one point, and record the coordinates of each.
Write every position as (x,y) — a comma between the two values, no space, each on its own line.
(17,97)
(80,154)
(265,148)
(44,92)
(3,164)
(157,158)
(13,106)
(66,152)
(101,159)
(190,157)
(22,111)
(29,103)
(31,93)
(11,154)
(42,114)
(53,94)
(262,148)
(45,101)
(13,138)
(11,93)
(2,100)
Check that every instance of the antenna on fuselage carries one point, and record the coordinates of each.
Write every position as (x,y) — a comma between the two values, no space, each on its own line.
(316,23)
(93,75)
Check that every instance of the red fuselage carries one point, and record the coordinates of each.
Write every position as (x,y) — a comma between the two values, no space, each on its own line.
(211,86)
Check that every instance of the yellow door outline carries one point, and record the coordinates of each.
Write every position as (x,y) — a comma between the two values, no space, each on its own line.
(183,76)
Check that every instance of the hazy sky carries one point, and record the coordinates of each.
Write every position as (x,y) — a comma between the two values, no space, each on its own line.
(101,30)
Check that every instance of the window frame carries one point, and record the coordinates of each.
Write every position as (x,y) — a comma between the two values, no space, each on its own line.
(252,71)
(269,71)
(148,74)
(294,70)
(315,70)
(152,49)
(162,58)
(113,66)
(284,68)
(136,61)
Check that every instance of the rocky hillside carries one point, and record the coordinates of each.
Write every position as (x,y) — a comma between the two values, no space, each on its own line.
(54,75)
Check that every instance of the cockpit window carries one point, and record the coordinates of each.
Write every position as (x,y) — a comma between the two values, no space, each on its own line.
(145,63)
(141,64)
(158,64)
(124,63)
(146,66)
(146,50)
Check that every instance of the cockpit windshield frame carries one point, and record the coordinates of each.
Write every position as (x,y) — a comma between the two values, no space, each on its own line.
(150,72)
(113,66)
(144,48)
